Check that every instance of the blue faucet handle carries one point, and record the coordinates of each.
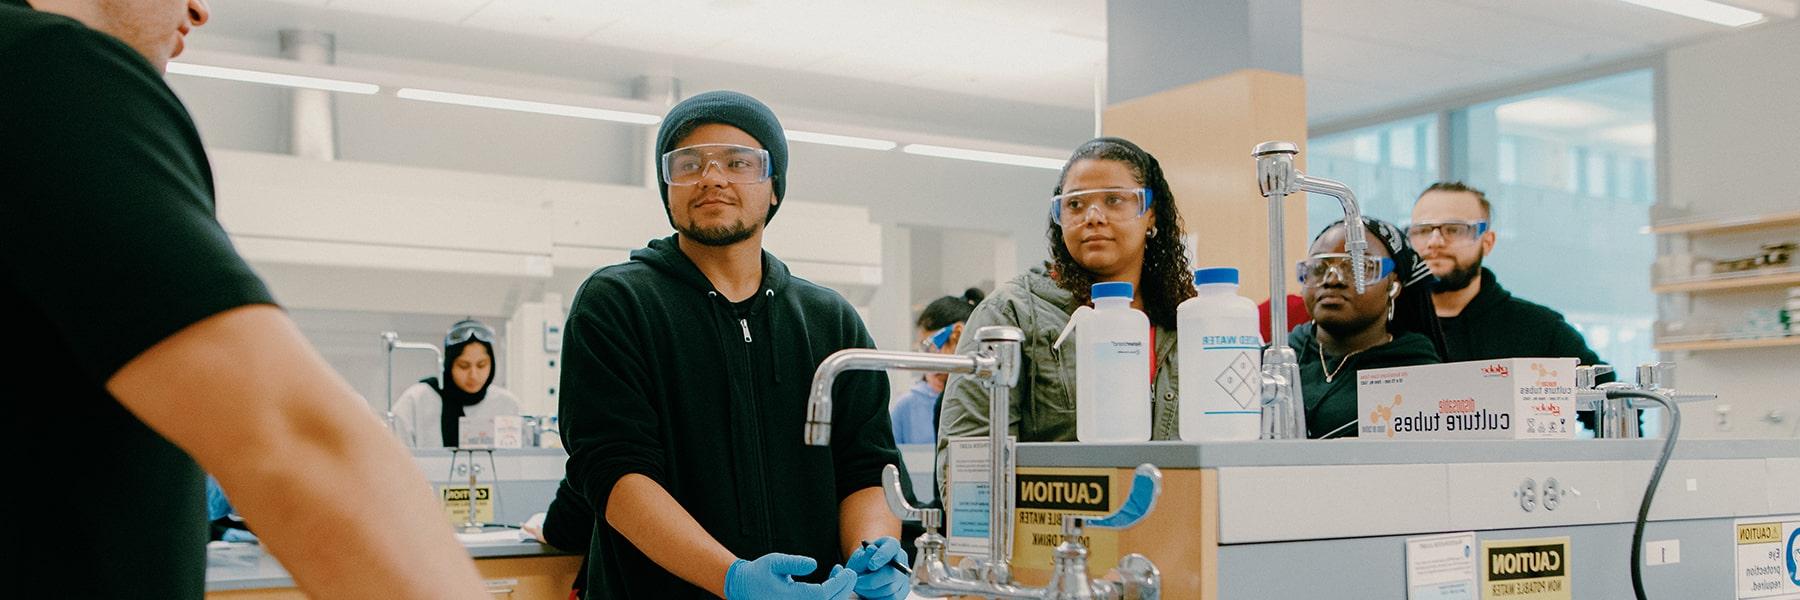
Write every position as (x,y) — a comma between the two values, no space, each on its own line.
(1146,486)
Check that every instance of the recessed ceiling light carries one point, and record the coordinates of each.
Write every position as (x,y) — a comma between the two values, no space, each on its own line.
(529,106)
(268,78)
(1705,10)
(1003,158)
(831,139)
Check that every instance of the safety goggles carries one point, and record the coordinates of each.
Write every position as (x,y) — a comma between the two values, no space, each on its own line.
(463,331)
(1070,209)
(937,339)
(1312,271)
(1452,231)
(736,164)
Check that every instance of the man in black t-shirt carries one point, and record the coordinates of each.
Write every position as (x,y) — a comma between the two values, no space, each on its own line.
(143,343)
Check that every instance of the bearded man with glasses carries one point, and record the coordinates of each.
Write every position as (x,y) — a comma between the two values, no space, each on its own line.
(684,383)
(1482,320)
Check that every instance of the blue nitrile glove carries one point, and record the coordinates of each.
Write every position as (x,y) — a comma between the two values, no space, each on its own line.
(771,577)
(878,575)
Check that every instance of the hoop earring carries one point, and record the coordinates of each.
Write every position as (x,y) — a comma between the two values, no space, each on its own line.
(1151,233)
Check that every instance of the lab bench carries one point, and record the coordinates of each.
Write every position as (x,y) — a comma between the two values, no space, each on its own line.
(1331,519)
(517,571)
(523,482)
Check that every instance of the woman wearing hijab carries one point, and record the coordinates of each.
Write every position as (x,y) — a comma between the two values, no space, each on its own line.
(1391,324)
(428,411)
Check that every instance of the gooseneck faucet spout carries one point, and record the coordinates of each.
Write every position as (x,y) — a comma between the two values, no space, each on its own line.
(995,365)
(1284,407)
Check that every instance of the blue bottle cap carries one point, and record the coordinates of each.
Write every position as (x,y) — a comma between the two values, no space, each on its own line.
(1216,275)
(1112,289)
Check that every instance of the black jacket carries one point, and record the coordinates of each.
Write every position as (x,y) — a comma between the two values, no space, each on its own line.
(1329,406)
(1497,324)
(663,377)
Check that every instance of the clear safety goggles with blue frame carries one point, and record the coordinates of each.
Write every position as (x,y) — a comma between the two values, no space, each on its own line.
(936,341)
(463,331)
(1419,233)
(1072,208)
(736,164)
(1313,270)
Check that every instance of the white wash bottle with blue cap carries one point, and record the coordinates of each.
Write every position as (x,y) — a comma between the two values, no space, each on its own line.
(1112,368)
(1220,362)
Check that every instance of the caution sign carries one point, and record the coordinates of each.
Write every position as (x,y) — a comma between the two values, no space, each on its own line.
(1768,558)
(456,503)
(1535,569)
(1044,495)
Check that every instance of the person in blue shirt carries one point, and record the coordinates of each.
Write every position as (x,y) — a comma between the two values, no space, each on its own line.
(223,520)
(915,415)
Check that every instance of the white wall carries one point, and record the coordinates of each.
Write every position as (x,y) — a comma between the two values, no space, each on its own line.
(1733,139)
(986,207)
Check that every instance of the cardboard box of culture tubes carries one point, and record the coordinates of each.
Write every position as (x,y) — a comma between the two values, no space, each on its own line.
(1510,398)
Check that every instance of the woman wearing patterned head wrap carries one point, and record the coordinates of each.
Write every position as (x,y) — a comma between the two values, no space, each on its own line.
(1391,324)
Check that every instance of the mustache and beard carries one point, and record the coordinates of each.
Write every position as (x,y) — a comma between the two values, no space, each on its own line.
(1460,275)
(719,235)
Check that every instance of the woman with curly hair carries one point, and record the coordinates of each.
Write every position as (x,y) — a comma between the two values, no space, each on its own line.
(1112,218)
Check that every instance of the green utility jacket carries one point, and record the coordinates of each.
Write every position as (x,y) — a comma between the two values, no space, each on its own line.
(1043,403)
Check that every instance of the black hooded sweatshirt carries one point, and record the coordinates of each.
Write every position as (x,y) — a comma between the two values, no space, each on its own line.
(1497,324)
(1330,405)
(664,377)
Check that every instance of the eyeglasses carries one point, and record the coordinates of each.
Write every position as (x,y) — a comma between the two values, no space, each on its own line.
(937,339)
(1452,231)
(1114,203)
(1312,270)
(462,331)
(737,164)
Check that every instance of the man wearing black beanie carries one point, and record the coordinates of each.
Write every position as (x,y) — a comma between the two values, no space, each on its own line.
(684,384)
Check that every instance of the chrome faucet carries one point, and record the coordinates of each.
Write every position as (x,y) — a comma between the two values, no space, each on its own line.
(995,365)
(390,341)
(1284,407)
(1616,417)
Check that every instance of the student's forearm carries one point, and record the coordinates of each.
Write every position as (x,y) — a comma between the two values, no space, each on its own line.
(659,527)
(384,536)
(336,499)
(864,515)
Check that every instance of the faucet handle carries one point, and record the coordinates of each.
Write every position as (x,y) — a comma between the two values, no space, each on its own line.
(1656,375)
(931,518)
(1586,376)
(1146,486)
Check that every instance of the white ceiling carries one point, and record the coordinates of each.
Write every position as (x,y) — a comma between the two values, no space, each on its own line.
(1360,56)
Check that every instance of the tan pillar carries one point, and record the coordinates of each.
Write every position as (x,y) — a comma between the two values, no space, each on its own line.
(1202,134)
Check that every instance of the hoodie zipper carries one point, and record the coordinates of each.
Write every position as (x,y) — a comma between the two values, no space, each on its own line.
(745,323)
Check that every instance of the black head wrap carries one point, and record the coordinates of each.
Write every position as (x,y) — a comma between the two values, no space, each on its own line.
(1414,311)
(465,332)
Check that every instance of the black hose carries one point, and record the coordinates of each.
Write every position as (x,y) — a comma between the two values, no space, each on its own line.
(1637,531)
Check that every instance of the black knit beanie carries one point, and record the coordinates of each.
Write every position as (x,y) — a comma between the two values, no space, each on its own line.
(728,108)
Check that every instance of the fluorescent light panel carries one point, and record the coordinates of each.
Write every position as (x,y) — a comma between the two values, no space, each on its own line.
(542,108)
(1001,158)
(267,78)
(831,139)
(1704,10)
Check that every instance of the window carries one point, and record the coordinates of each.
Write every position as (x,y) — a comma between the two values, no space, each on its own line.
(1569,170)
(1386,165)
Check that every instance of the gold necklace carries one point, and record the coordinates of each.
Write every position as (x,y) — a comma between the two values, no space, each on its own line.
(1340,368)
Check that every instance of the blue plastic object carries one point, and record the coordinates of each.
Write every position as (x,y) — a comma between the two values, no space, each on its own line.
(1112,289)
(878,572)
(1216,275)
(771,577)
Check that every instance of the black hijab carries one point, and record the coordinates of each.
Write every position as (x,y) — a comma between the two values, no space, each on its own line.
(455,399)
